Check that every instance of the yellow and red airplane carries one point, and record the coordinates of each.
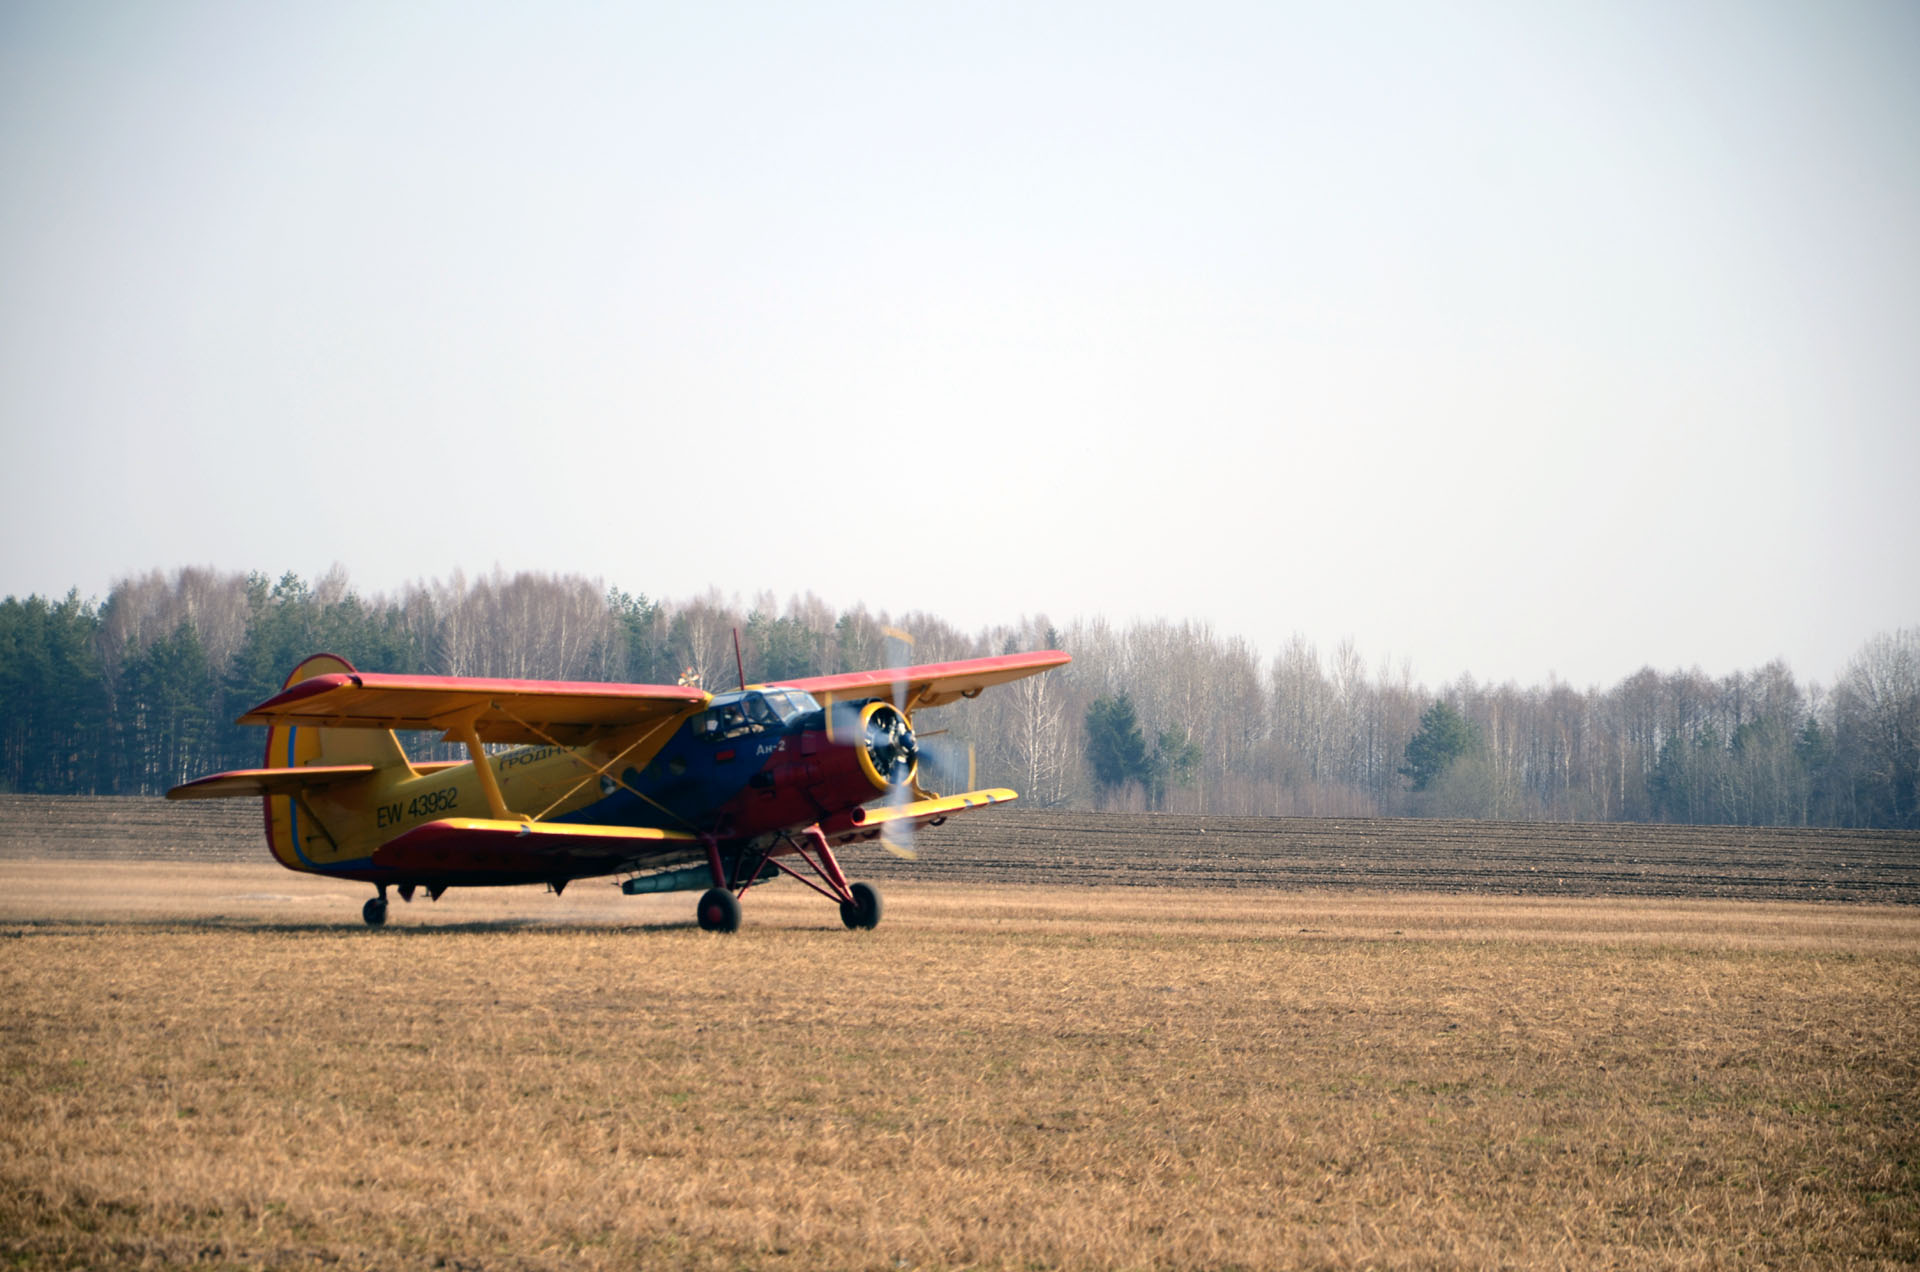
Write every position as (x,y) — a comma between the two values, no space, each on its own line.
(674,788)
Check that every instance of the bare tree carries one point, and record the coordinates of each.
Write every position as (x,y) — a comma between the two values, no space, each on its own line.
(1876,709)
(702,638)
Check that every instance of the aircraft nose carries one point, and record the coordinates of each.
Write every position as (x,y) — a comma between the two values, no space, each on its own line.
(891,744)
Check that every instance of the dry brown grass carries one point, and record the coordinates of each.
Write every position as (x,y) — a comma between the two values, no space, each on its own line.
(217,1066)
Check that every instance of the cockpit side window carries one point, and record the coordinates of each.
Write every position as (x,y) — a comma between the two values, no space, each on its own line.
(735,717)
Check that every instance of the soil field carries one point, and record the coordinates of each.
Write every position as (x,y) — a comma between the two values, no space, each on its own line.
(214,1066)
(1044,849)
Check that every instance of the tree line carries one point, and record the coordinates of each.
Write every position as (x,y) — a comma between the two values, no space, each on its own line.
(138,692)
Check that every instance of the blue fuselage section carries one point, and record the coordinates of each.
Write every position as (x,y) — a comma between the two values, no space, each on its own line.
(758,763)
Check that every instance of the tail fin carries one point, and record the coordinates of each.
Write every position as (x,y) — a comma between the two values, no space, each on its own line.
(298,746)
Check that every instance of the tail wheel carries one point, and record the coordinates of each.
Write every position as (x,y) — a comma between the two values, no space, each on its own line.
(375,911)
(864,910)
(719,910)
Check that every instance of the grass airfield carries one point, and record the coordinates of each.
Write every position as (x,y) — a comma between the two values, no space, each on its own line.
(217,1066)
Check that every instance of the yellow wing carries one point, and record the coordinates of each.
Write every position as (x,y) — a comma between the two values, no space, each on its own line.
(868,823)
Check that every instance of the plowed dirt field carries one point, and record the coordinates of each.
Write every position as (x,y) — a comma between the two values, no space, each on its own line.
(1054,849)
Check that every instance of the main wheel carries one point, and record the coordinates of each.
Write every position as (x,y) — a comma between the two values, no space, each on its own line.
(374,911)
(719,910)
(864,910)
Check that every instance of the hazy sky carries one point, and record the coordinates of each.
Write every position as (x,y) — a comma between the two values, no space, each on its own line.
(1512,339)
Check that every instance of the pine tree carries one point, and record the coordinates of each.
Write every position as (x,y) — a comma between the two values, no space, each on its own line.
(1445,736)
(1115,746)
(1175,763)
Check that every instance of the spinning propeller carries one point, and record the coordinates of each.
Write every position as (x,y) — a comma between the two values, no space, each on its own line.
(897,837)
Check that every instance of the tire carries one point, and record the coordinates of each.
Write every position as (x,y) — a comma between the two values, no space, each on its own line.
(719,911)
(863,911)
(374,912)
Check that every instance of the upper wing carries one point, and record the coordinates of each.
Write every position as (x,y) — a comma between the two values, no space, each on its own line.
(931,684)
(564,711)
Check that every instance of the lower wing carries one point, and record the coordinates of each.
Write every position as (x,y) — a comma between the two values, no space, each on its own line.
(481,844)
(867,823)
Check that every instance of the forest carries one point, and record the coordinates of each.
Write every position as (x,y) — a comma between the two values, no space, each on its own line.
(138,692)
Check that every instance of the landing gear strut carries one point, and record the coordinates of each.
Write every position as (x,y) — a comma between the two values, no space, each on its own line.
(719,908)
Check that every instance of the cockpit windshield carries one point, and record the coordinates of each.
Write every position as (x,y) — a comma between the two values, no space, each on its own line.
(789,703)
(754,711)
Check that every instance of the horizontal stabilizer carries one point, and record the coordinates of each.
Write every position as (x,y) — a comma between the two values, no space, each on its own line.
(482,844)
(272,781)
(865,823)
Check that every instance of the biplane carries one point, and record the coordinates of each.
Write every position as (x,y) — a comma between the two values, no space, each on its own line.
(670,787)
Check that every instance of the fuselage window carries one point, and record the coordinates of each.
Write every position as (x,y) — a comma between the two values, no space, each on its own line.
(731,719)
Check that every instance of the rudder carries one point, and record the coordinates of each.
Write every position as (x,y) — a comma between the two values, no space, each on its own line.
(296,746)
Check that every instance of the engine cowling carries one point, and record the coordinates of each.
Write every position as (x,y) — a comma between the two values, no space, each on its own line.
(883,739)
(861,751)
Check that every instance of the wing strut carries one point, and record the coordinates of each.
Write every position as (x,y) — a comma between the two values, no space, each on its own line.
(605,770)
(460,729)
